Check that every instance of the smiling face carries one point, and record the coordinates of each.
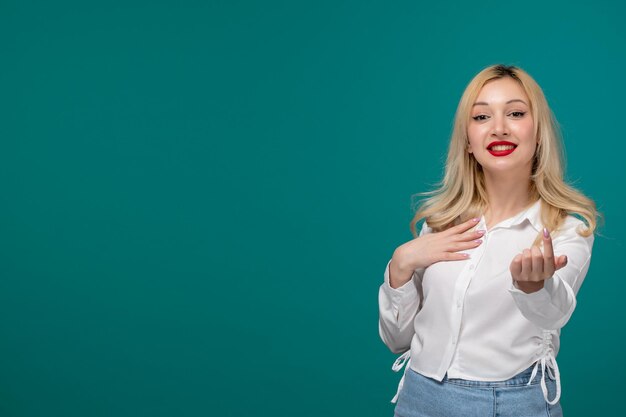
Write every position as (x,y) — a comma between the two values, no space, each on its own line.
(501,113)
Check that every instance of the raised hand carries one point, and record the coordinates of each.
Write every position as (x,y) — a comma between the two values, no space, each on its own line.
(430,248)
(531,268)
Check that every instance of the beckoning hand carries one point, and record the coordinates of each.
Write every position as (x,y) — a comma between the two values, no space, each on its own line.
(531,268)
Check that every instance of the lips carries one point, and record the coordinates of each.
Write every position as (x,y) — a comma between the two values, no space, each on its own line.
(500,142)
(501,148)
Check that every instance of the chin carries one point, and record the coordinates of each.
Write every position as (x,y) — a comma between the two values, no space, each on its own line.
(506,166)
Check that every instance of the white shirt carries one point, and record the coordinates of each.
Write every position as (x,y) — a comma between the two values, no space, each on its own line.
(467,317)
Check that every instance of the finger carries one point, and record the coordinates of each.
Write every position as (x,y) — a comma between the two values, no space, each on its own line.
(516,266)
(549,264)
(459,246)
(460,228)
(453,256)
(471,235)
(526,265)
(548,250)
(561,262)
(537,262)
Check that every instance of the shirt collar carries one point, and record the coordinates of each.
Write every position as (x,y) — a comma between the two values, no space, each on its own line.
(532,214)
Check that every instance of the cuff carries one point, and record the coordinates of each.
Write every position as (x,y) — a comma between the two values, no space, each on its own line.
(398,294)
(545,307)
(546,293)
(541,296)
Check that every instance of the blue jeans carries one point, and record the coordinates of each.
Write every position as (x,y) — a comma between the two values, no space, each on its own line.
(426,397)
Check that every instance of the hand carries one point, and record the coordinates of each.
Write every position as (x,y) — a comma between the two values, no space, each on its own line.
(531,268)
(429,248)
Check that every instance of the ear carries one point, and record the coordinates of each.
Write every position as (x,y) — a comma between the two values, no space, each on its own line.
(469,148)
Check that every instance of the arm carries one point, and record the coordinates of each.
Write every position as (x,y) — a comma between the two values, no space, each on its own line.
(552,306)
(398,307)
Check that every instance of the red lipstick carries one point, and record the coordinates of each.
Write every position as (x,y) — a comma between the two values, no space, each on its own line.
(501,152)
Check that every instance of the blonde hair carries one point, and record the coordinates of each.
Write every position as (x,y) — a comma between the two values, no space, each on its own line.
(461,194)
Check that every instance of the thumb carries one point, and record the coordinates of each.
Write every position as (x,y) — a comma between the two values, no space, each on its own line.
(561,262)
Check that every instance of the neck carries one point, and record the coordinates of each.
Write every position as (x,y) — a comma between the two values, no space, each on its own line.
(507,193)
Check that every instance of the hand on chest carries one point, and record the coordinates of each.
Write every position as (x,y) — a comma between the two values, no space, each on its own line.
(485,272)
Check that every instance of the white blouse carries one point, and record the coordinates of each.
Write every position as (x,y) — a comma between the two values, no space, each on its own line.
(467,317)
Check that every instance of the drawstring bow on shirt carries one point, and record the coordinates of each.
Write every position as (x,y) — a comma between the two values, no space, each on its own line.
(547,360)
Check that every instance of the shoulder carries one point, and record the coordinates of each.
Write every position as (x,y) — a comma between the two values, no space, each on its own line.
(570,233)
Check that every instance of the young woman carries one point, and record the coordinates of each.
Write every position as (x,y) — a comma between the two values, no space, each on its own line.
(477,300)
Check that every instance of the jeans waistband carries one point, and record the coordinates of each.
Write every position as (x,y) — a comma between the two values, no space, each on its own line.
(521,378)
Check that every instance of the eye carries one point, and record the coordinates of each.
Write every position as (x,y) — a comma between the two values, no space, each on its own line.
(479,117)
(518,113)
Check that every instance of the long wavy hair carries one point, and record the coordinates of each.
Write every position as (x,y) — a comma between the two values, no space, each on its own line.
(461,194)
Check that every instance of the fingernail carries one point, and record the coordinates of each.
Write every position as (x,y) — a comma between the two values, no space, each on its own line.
(565,258)
(545,232)
(480,231)
(475,219)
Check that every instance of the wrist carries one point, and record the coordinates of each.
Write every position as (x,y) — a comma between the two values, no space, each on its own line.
(398,276)
(529,286)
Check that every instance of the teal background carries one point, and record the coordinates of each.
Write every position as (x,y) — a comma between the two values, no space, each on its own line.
(199,199)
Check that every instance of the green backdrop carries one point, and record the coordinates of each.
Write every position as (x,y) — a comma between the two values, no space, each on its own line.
(199,199)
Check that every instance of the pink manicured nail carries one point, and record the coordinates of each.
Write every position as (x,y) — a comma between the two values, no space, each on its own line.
(545,232)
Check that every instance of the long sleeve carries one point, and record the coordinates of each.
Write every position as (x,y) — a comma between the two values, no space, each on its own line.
(398,307)
(552,306)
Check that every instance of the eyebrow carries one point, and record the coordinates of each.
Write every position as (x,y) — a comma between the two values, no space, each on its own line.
(482,103)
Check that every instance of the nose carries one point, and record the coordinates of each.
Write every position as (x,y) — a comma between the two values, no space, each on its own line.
(500,127)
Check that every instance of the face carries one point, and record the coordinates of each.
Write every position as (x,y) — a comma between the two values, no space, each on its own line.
(501,113)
